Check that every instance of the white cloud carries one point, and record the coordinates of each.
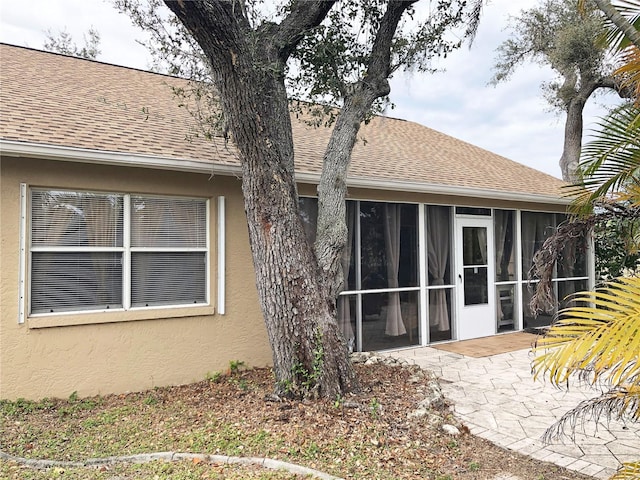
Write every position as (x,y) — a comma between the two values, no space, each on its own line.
(26,22)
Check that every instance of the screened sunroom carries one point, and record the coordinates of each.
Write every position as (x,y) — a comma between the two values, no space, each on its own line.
(417,274)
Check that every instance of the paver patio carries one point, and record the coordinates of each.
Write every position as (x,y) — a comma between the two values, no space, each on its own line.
(497,399)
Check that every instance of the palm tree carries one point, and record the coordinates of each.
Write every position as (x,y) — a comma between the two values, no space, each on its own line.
(624,20)
(623,37)
(597,338)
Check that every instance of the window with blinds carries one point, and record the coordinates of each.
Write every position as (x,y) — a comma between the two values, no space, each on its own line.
(100,251)
(168,251)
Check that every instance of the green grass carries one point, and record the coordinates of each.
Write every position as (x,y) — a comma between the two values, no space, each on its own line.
(156,470)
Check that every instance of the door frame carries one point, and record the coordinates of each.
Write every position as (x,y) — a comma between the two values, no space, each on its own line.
(486,311)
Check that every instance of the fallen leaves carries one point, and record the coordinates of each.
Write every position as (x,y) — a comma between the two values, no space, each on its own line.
(366,434)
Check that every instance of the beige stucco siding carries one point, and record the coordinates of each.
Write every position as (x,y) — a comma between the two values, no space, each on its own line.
(113,352)
(122,351)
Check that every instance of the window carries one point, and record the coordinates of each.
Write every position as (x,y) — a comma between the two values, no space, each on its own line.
(100,251)
(439,277)
(378,308)
(485,212)
(400,282)
(506,265)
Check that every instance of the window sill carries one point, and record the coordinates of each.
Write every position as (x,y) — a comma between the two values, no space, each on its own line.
(116,316)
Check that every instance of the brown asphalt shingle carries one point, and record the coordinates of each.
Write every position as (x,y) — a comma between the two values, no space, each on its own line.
(52,99)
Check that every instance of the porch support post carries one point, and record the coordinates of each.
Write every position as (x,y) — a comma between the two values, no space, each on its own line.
(519,285)
(422,272)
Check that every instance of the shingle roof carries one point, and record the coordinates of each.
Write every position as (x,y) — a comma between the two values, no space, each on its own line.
(57,100)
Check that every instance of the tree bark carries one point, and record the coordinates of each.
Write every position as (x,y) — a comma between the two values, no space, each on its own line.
(309,353)
(331,235)
(573,128)
(297,285)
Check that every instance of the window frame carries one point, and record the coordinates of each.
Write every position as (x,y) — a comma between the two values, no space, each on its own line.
(556,280)
(126,252)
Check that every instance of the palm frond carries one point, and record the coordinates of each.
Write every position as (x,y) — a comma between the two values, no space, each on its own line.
(598,338)
(610,162)
(615,145)
(615,35)
(628,471)
(629,71)
(631,196)
(622,403)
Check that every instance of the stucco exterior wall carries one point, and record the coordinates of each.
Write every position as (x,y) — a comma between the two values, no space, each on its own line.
(116,352)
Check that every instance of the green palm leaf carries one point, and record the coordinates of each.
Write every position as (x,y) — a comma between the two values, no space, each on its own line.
(614,37)
(597,339)
(611,162)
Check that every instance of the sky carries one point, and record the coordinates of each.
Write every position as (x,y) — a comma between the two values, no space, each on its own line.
(511,119)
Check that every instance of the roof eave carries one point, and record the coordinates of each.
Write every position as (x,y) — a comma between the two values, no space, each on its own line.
(101,157)
(442,189)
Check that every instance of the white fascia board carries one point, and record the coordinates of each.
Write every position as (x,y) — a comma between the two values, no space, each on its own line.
(101,157)
(421,187)
(82,155)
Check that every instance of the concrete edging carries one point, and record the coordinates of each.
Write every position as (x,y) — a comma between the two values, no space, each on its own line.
(173,457)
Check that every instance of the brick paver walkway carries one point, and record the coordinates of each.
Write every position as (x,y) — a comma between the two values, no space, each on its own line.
(497,398)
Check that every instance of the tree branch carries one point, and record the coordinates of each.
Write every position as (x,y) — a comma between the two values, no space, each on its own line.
(302,16)
(331,236)
(613,83)
(217,26)
(379,65)
(223,26)
(552,250)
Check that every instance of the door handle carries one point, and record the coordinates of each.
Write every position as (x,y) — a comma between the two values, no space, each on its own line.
(460,277)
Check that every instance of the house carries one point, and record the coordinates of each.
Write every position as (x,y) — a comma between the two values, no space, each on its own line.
(124,251)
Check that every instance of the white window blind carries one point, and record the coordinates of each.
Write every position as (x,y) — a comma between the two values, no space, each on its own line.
(168,251)
(69,281)
(76,251)
(86,250)
(76,219)
(168,222)
(167,278)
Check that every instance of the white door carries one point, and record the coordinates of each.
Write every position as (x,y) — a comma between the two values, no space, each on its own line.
(474,277)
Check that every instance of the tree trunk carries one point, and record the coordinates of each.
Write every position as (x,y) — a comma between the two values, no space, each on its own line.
(297,286)
(308,349)
(570,158)
(331,235)
(309,353)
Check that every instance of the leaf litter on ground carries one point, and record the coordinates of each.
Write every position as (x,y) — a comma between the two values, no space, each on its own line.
(368,434)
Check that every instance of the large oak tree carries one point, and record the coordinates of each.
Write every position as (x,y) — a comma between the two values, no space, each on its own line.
(341,51)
